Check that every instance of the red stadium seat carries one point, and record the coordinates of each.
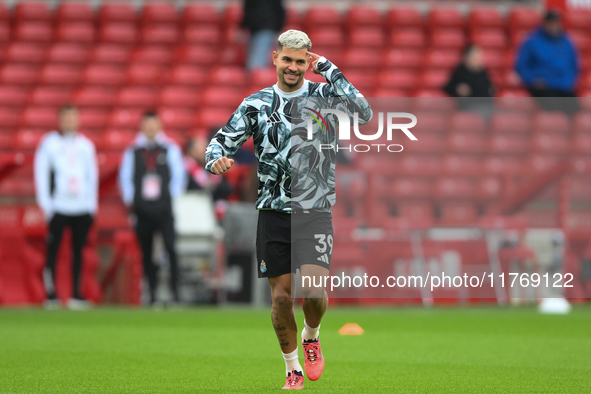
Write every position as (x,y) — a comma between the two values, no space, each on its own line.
(485,17)
(188,75)
(360,15)
(178,96)
(448,38)
(4,33)
(489,38)
(511,122)
(95,97)
(137,97)
(160,35)
(203,35)
(103,75)
(93,120)
(322,16)
(39,117)
(452,188)
(523,18)
(367,37)
(9,119)
(445,17)
(398,79)
(433,79)
(74,12)
(25,53)
(228,76)
(118,33)
(466,142)
(582,122)
(27,139)
(494,59)
(293,19)
(116,140)
(44,96)
(509,144)
(552,122)
(226,97)
(77,32)
(4,13)
(489,189)
(232,15)
(541,163)
(35,32)
(159,13)
(364,82)
(12,96)
(177,118)
(18,75)
(410,188)
(502,164)
(458,213)
(515,100)
(582,143)
(197,55)
(144,74)
(60,75)
(111,54)
(462,165)
(581,41)
(444,59)
(126,118)
(33,11)
(68,54)
(577,20)
(403,58)
(551,142)
(362,59)
(200,14)
(264,77)
(410,38)
(156,55)
(469,122)
(327,36)
(398,16)
(212,117)
(117,12)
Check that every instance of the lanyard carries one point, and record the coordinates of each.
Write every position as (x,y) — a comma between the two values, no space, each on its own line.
(150,157)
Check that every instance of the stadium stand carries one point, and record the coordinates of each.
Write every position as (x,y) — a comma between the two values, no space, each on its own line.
(114,61)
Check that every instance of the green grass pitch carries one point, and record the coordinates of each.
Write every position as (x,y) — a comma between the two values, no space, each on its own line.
(403,350)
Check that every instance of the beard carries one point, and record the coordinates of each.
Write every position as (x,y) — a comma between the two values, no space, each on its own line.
(291,84)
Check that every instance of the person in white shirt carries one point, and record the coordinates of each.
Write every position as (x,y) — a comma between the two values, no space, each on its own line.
(66,186)
(151,176)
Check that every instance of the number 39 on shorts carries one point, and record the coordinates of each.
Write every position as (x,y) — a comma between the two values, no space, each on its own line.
(324,242)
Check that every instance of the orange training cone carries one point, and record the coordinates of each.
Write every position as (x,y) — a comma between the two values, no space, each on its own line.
(351,329)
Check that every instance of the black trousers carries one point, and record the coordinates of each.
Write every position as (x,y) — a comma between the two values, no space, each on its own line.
(145,228)
(80,225)
(556,100)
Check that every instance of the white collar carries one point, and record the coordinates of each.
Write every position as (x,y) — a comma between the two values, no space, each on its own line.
(295,93)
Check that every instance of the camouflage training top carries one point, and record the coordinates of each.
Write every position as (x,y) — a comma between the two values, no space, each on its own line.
(267,116)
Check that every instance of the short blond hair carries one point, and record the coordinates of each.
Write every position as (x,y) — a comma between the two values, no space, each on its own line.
(294,39)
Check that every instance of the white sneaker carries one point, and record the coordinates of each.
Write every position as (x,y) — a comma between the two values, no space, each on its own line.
(51,304)
(77,304)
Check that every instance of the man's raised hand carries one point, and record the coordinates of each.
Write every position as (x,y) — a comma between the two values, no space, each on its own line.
(222,165)
(314,59)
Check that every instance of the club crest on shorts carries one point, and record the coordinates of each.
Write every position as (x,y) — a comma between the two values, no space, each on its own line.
(263,266)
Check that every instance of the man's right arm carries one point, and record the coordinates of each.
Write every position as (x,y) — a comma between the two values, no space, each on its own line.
(125,180)
(229,138)
(42,168)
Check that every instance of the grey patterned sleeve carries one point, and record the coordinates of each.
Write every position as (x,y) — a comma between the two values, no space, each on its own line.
(339,86)
(229,138)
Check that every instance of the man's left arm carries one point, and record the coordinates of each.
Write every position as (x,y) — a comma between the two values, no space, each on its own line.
(341,87)
(178,177)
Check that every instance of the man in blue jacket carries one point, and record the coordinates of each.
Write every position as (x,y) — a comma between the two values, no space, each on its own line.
(548,62)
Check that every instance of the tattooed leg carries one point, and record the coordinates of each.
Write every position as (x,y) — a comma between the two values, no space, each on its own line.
(282,315)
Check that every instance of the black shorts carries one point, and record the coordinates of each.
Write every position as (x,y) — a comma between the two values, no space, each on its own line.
(310,234)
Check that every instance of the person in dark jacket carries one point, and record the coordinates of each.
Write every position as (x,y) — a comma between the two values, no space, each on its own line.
(470,78)
(264,19)
(151,175)
(548,62)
